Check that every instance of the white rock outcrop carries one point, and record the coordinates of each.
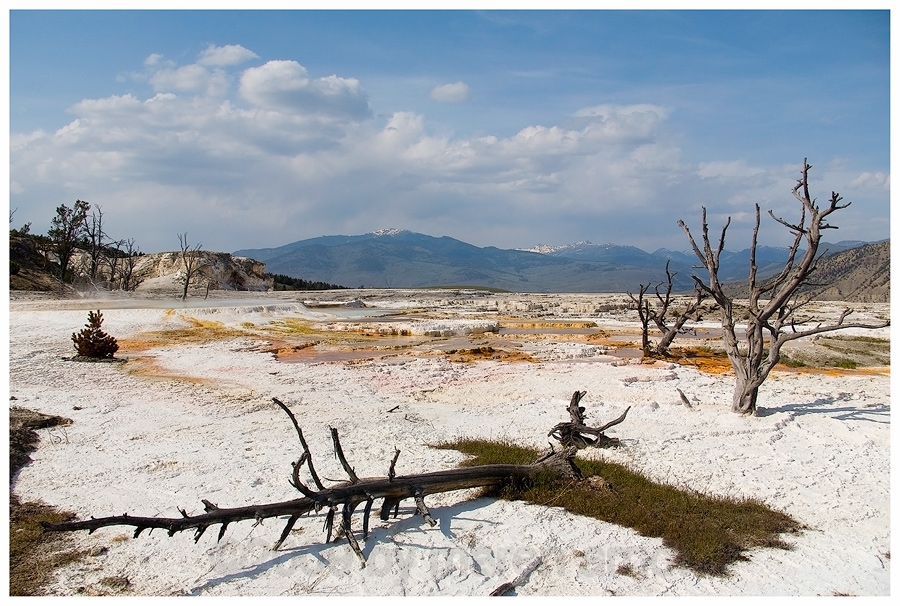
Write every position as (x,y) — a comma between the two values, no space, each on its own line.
(218,271)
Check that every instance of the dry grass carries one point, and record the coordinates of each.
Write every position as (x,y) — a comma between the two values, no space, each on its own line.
(33,554)
(707,533)
(290,326)
(627,570)
(715,361)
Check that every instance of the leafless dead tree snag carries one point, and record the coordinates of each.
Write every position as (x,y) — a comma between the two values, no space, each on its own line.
(193,263)
(661,314)
(773,302)
(670,324)
(343,498)
(642,306)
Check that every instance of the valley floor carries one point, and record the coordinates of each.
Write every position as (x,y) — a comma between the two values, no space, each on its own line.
(189,415)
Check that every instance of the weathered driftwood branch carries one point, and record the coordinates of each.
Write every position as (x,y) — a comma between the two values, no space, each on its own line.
(343,497)
(575,433)
(507,587)
(684,398)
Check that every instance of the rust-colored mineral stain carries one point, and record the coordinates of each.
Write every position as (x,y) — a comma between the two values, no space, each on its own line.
(146,367)
(476,354)
(832,371)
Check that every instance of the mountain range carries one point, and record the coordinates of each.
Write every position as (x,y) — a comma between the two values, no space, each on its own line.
(393,258)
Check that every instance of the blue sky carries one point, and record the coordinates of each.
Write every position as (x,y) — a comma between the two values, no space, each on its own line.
(252,129)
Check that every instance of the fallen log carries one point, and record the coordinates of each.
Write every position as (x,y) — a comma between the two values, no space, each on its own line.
(343,497)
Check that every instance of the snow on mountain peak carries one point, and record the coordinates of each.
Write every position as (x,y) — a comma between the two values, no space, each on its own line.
(547,249)
(388,231)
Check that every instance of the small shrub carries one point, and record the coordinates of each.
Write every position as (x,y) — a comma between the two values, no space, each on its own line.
(627,570)
(846,363)
(791,362)
(92,342)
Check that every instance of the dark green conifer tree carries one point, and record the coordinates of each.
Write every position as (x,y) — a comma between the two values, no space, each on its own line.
(92,342)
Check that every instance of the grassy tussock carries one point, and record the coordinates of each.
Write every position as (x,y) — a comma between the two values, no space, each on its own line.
(34,555)
(290,326)
(707,533)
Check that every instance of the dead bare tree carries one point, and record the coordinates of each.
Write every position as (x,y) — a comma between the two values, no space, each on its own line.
(193,264)
(132,253)
(95,240)
(112,259)
(661,314)
(642,305)
(773,302)
(344,497)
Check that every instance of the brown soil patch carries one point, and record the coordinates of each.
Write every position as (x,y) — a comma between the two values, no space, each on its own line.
(22,435)
(282,350)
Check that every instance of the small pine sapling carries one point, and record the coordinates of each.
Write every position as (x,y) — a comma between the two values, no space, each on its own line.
(92,342)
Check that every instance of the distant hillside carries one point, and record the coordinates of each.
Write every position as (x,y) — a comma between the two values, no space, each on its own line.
(28,268)
(733,265)
(219,271)
(404,259)
(398,258)
(858,275)
(31,267)
(855,275)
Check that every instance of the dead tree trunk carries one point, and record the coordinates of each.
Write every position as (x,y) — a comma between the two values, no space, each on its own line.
(342,498)
(572,434)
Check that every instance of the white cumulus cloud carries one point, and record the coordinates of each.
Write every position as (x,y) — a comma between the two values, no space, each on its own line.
(451,93)
(868,180)
(221,56)
(730,169)
(285,86)
(623,122)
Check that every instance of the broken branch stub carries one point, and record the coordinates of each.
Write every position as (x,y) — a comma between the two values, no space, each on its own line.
(341,498)
(576,434)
